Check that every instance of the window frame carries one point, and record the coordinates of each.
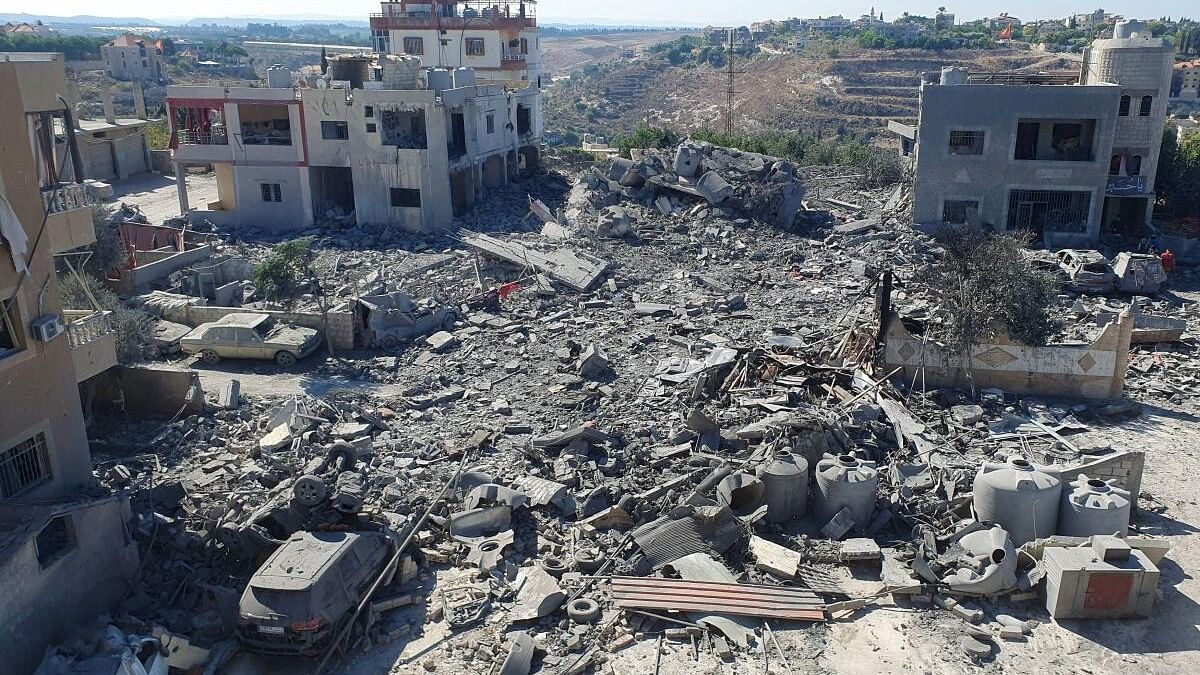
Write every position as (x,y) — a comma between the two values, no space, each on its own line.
(417,41)
(474,46)
(341,130)
(272,193)
(11,325)
(1125,105)
(959,203)
(396,198)
(976,147)
(48,558)
(490,122)
(1146,106)
(38,457)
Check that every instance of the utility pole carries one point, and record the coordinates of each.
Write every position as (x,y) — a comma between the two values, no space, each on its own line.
(730,90)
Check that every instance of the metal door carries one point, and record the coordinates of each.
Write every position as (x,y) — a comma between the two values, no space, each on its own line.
(1107,592)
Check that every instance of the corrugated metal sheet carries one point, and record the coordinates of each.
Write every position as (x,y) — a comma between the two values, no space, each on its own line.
(772,602)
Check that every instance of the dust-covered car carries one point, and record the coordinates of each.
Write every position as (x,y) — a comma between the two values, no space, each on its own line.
(1088,271)
(304,594)
(245,335)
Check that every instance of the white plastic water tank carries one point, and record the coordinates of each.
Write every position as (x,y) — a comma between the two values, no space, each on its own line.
(464,77)
(1093,506)
(1020,497)
(438,79)
(845,481)
(279,77)
(954,75)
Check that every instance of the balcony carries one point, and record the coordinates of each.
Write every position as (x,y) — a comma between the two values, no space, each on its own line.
(69,216)
(203,147)
(203,138)
(93,341)
(1126,185)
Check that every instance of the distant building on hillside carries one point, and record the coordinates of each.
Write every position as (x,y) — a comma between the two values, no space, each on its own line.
(36,28)
(943,19)
(1188,73)
(130,57)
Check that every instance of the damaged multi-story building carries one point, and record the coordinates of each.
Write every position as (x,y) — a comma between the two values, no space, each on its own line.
(1069,156)
(66,552)
(379,135)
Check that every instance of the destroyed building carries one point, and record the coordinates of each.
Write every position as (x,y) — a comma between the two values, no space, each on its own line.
(378,138)
(65,552)
(1069,156)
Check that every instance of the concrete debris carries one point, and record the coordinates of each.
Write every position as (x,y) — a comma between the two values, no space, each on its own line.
(580,439)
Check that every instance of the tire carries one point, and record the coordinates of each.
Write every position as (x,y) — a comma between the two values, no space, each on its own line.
(210,357)
(285,359)
(309,490)
(584,610)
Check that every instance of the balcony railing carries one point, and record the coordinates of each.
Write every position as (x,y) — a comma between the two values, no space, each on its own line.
(203,138)
(84,331)
(67,198)
(514,57)
(1126,185)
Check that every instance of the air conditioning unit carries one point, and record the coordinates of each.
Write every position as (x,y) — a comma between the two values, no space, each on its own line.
(47,327)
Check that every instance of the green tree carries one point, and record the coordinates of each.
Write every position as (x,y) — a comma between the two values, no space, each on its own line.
(279,275)
(1177,183)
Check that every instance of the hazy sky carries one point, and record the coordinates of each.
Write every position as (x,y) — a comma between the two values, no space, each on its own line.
(694,12)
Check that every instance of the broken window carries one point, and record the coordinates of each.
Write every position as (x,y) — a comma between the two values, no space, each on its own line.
(524,45)
(10,333)
(403,128)
(414,46)
(524,120)
(1147,106)
(475,46)
(1123,111)
(407,198)
(24,466)
(1134,167)
(1068,140)
(959,211)
(491,123)
(272,192)
(334,131)
(966,142)
(371,127)
(265,124)
(55,540)
(1055,210)
(381,40)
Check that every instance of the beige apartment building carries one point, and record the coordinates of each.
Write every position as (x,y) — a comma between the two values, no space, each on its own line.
(130,57)
(66,553)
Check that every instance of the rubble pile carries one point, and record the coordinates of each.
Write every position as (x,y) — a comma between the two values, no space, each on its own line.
(649,419)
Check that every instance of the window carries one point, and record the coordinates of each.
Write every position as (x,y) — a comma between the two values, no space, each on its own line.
(1114,166)
(371,127)
(271,192)
(368,111)
(381,40)
(1068,140)
(55,540)
(406,198)
(1147,106)
(491,123)
(524,45)
(1123,111)
(10,332)
(24,466)
(414,46)
(959,211)
(966,142)
(475,47)
(1134,167)
(334,131)
(1053,210)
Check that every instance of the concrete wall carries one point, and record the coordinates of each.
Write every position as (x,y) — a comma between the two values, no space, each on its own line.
(41,605)
(293,213)
(146,275)
(989,177)
(341,321)
(453,54)
(38,392)
(152,389)
(1092,371)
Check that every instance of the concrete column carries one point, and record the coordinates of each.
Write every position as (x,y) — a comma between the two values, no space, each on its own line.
(181,187)
(139,100)
(110,114)
(1125,324)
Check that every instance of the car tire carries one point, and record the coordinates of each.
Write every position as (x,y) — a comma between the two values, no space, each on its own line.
(583,610)
(309,490)
(210,357)
(285,359)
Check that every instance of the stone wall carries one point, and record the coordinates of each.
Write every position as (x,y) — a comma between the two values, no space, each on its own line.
(1092,371)
(341,321)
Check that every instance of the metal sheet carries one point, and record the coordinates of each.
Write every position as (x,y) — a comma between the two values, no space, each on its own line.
(700,596)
